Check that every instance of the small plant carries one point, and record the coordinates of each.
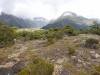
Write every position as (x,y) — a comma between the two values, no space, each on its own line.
(91,43)
(96,70)
(53,34)
(96,73)
(68,30)
(71,50)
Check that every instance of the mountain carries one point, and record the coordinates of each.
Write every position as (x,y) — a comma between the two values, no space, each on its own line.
(72,19)
(40,21)
(15,21)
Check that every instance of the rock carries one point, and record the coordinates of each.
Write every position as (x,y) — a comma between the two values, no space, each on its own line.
(6,71)
(73,57)
(11,68)
(59,70)
(97,55)
(80,61)
(79,65)
(64,72)
(92,52)
(60,61)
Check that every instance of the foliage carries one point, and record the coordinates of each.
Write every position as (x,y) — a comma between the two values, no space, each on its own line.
(95,28)
(51,35)
(7,35)
(69,30)
(58,33)
(37,67)
(31,35)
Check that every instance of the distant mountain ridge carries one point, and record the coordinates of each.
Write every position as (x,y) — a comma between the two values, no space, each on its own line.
(40,21)
(72,19)
(15,21)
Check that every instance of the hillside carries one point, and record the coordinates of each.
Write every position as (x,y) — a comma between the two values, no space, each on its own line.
(72,19)
(15,21)
(54,51)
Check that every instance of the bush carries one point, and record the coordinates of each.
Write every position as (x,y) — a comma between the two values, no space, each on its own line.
(53,34)
(39,34)
(37,67)
(71,50)
(95,28)
(26,35)
(31,35)
(91,43)
(58,33)
(68,30)
(7,35)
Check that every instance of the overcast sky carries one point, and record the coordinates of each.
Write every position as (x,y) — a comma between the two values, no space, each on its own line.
(50,9)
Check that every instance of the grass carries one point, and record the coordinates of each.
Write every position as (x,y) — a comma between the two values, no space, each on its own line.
(37,67)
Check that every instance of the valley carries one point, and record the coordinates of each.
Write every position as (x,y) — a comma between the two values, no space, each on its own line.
(68,45)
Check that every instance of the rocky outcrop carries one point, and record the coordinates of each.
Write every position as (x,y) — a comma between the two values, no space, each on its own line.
(11,68)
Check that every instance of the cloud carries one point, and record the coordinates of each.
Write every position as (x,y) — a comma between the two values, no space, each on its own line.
(7,5)
(50,8)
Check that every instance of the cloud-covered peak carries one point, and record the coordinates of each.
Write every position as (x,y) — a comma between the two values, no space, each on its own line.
(50,9)
(68,13)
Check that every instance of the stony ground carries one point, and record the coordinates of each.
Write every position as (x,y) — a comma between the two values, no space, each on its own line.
(64,64)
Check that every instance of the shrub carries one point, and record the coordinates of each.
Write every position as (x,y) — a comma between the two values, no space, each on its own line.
(71,50)
(69,31)
(95,28)
(31,35)
(26,35)
(7,35)
(53,35)
(39,34)
(37,67)
(24,72)
(91,43)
